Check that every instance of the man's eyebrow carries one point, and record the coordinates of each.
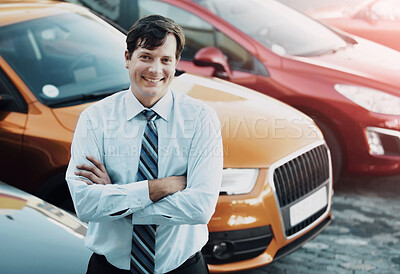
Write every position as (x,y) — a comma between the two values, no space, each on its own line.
(149,52)
(144,51)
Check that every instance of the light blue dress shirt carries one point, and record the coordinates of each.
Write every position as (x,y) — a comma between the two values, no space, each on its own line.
(189,143)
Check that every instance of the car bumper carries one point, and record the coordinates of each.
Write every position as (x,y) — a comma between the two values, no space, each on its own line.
(252,230)
(378,153)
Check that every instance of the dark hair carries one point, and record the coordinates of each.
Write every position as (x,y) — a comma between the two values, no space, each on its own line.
(150,32)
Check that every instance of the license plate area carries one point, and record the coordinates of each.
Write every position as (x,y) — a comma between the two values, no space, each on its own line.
(308,206)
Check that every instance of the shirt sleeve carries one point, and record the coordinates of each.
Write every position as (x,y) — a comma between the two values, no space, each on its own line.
(100,202)
(196,203)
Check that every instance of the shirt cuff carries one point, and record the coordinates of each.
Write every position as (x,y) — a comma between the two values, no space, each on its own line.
(138,194)
(147,216)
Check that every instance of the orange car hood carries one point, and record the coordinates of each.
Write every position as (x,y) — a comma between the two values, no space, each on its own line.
(254,126)
(257,130)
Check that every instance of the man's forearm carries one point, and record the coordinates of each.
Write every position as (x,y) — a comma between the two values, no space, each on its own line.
(160,188)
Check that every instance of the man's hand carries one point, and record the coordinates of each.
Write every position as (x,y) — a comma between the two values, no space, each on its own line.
(96,173)
(159,188)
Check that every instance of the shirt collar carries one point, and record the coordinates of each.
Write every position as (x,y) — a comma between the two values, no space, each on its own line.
(134,107)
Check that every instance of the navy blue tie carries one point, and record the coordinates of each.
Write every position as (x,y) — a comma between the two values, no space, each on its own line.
(143,237)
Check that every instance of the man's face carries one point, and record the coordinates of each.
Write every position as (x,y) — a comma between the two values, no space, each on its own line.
(152,71)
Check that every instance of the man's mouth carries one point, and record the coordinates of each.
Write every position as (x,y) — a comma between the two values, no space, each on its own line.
(152,80)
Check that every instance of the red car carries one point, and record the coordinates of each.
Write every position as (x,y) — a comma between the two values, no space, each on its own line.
(376,20)
(350,86)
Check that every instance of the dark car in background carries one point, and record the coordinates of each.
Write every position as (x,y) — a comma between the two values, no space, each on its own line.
(37,237)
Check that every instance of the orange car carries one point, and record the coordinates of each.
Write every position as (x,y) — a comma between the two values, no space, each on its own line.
(57,58)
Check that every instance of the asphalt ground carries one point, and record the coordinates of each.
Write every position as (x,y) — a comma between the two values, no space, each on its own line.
(364,236)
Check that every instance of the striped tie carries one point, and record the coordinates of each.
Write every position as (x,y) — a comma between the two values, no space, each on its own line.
(143,239)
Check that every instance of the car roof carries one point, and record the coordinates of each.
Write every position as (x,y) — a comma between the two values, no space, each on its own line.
(12,12)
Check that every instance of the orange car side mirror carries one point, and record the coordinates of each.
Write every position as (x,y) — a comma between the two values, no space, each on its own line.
(213,57)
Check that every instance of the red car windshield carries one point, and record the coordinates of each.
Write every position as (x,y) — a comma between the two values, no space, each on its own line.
(278,27)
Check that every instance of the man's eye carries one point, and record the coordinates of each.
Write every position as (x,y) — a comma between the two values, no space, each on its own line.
(144,57)
(167,60)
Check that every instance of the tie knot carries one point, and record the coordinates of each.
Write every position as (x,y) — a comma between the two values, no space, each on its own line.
(149,114)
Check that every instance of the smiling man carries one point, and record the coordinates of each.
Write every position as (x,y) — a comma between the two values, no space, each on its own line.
(146,164)
(152,71)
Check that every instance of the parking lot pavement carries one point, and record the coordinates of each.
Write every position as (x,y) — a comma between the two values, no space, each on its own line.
(364,236)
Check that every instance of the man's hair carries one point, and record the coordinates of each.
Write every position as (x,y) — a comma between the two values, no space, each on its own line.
(151,32)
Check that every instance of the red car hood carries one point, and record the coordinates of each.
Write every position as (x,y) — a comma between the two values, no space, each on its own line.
(330,12)
(376,65)
(342,11)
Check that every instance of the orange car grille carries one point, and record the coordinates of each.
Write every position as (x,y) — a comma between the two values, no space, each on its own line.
(297,178)
(301,175)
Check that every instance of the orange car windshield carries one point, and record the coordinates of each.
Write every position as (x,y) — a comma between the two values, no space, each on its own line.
(67,58)
(276,26)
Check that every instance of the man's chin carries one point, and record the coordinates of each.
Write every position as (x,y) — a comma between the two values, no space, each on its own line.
(154,92)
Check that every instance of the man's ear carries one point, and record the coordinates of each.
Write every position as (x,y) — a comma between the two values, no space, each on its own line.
(127,59)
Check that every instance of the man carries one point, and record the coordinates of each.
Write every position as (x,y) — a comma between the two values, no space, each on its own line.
(146,164)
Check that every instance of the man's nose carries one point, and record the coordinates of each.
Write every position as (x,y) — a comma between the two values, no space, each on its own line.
(155,67)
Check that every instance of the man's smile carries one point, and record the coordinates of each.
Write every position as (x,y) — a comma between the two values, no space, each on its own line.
(152,80)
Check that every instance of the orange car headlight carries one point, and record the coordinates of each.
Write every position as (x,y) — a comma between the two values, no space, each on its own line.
(238,180)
